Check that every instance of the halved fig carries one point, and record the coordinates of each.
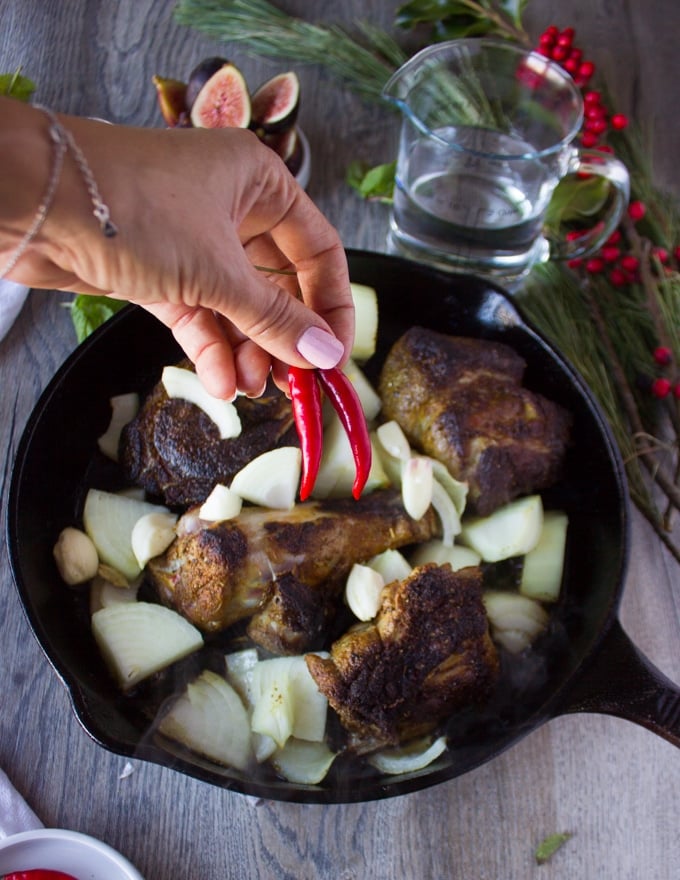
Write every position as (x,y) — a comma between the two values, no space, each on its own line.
(288,145)
(275,104)
(200,75)
(172,100)
(223,102)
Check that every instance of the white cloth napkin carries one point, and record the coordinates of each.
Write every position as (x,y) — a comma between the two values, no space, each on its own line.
(15,814)
(12,296)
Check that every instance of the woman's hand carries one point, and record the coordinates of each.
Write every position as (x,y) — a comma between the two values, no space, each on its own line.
(197,211)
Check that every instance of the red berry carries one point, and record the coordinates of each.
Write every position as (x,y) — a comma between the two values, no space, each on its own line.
(597,126)
(559,53)
(618,278)
(604,148)
(615,237)
(663,355)
(565,39)
(592,97)
(595,265)
(636,211)
(610,253)
(661,387)
(586,70)
(588,139)
(594,111)
(570,65)
(630,263)
(568,33)
(575,54)
(576,263)
(619,121)
(676,391)
(661,254)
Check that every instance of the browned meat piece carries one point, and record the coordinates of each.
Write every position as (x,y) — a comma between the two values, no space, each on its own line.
(285,567)
(173,450)
(428,653)
(461,401)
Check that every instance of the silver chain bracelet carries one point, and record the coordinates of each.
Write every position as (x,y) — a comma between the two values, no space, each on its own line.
(62,140)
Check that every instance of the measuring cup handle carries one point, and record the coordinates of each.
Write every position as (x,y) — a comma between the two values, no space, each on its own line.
(593,162)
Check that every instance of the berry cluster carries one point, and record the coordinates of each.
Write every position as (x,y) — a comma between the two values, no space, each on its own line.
(666,383)
(558,45)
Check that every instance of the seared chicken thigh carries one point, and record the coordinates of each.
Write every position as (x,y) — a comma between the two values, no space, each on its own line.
(427,653)
(173,450)
(461,401)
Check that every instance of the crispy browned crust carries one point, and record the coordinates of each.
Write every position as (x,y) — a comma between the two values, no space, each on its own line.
(285,567)
(427,653)
(173,450)
(461,401)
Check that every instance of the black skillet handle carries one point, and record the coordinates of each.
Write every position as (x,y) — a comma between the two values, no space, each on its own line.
(621,681)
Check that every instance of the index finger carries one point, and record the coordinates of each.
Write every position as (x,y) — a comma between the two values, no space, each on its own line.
(313,246)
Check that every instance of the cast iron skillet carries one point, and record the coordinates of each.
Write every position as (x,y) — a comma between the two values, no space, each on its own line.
(585,663)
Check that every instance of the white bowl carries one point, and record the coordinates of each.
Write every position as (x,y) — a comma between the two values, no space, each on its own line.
(304,172)
(78,854)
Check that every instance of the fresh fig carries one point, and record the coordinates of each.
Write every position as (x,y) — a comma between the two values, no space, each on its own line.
(282,142)
(172,100)
(223,102)
(288,145)
(200,75)
(275,104)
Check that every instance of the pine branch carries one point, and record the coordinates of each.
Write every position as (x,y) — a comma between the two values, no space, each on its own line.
(264,29)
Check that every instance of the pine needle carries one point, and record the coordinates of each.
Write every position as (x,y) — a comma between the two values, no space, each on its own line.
(266,30)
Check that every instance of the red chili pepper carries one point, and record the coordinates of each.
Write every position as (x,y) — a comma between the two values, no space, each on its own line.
(38,874)
(305,396)
(347,405)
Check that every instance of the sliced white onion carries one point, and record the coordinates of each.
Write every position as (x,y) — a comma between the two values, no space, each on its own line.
(362,591)
(137,639)
(417,486)
(370,401)
(151,535)
(124,408)
(512,530)
(408,758)
(436,551)
(271,479)
(185,384)
(209,718)
(393,440)
(366,321)
(447,513)
(457,489)
(306,763)
(222,503)
(544,565)
(515,620)
(109,519)
(392,565)
(103,593)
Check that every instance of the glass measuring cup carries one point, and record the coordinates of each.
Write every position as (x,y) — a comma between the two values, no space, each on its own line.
(487,134)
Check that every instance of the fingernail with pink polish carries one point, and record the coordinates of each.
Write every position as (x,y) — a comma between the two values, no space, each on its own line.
(320,348)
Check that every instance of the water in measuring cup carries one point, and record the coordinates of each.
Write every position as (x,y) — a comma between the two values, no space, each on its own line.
(469,207)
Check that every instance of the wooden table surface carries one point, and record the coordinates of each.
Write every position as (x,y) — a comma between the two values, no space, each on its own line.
(614,785)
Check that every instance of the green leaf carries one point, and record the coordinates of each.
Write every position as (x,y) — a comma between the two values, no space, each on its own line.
(14,85)
(453,19)
(375,183)
(90,312)
(547,848)
(577,198)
